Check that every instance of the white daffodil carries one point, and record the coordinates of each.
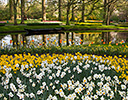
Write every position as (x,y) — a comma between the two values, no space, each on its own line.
(18,80)
(5,98)
(10,94)
(54,98)
(1,95)
(89,78)
(100,84)
(53,87)
(95,96)
(102,98)
(6,81)
(61,94)
(33,84)
(123,87)
(32,95)
(21,96)
(90,88)
(13,88)
(57,81)
(39,92)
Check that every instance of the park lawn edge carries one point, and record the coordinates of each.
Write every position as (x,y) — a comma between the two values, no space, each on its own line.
(67,28)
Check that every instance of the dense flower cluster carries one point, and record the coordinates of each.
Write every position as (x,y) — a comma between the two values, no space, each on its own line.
(89,24)
(66,77)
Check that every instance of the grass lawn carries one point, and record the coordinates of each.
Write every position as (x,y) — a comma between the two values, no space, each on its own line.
(67,28)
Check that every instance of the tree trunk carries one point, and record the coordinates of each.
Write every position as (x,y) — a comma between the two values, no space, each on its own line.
(59,10)
(15,2)
(10,9)
(83,9)
(104,14)
(108,14)
(15,14)
(107,11)
(68,11)
(73,18)
(22,11)
(43,10)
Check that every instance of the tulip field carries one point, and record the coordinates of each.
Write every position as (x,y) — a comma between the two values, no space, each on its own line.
(63,76)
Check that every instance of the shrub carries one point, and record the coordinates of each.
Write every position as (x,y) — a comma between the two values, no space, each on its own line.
(123,24)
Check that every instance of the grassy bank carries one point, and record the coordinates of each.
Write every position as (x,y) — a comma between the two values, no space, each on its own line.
(10,29)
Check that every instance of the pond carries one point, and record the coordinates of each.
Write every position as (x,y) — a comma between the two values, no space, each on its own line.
(76,38)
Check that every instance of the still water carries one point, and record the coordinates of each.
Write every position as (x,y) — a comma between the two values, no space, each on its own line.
(52,39)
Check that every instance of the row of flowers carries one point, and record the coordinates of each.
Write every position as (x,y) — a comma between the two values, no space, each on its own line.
(77,41)
(2,23)
(92,48)
(88,24)
(66,77)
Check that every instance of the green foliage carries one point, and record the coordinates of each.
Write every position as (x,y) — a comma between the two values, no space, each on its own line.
(123,24)
(4,14)
(89,49)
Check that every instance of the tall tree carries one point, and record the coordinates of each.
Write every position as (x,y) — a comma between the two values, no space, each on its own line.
(73,12)
(43,10)
(59,3)
(83,9)
(10,9)
(108,9)
(22,11)
(68,11)
(104,14)
(69,3)
(108,14)
(15,2)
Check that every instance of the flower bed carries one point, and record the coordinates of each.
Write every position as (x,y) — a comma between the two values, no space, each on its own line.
(2,23)
(46,23)
(109,50)
(89,24)
(64,77)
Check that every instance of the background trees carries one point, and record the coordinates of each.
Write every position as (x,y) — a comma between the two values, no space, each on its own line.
(65,10)
(22,11)
(15,2)
(43,10)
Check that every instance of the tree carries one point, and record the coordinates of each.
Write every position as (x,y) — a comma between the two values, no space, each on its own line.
(83,9)
(122,10)
(43,10)
(91,6)
(68,11)
(32,7)
(69,3)
(59,3)
(22,11)
(73,12)
(10,9)
(15,2)
(4,12)
(108,9)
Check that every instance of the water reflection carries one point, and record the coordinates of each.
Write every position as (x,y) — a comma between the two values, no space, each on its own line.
(69,38)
